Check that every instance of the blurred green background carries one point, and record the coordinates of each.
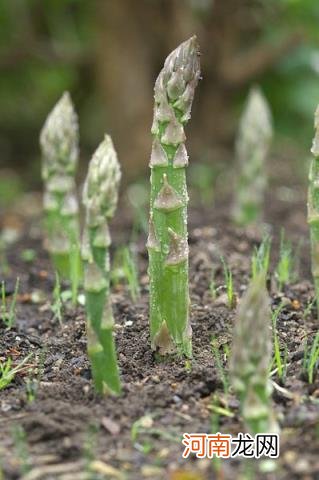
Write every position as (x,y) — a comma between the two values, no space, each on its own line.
(107,53)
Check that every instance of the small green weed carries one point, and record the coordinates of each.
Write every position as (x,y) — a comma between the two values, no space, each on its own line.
(213,287)
(285,271)
(279,360)
(8,313)
(28,255)
(31,386)
(125,269)
(229,284)
(8,372)
(4,264)
(261,257)
(144,426)
(57,304)
(307,310)
(311,358)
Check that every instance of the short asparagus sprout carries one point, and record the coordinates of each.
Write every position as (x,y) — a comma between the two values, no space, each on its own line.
(313,208)
(218,360)
(251,357)
(59,144)
(100,197)
(252,145)
(167,241)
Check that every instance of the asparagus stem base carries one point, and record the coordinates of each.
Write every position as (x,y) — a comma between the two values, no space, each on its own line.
(101,344)
(103,361)
(169,290)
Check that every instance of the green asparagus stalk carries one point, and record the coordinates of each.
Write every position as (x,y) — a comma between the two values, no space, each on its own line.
(167,241)
(251,357)
(313,208)
(59,141)
(252,145)
(100,197)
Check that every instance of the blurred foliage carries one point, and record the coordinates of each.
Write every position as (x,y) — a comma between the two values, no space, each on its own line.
(41,51)
(292,86)
(48,46)
(202,179)
(10,187)
(43,48)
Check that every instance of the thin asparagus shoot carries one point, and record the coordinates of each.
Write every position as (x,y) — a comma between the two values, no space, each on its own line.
(251,357)
(59,142)
(100,198)
(252,145)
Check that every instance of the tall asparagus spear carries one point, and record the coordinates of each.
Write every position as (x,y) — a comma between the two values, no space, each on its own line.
(313,208)
(59,141)
(251,356)
(253,140)
(167,242)
(100,197)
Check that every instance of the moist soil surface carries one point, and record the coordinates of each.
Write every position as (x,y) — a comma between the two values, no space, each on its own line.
(53,425)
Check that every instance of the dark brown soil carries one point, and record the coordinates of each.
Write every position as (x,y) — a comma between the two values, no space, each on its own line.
(66,427)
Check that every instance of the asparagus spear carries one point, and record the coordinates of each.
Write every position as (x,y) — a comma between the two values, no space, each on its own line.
(100,197)
(313,208)
(167,241)
(59,143)
(251,356)
(253,140)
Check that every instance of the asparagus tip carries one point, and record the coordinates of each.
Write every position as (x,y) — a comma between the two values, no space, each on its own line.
(100,192)
(59,136)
